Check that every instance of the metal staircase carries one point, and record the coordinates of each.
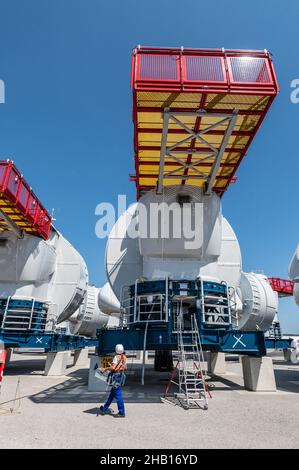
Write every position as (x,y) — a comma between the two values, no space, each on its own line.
(193,389)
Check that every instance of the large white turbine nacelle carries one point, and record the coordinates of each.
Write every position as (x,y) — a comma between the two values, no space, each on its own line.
(294,273)
(53,272)
(214,255)
(49,271)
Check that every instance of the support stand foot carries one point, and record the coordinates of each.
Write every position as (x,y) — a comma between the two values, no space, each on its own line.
(56,363)
(258,374)
(216,363)
(81,357)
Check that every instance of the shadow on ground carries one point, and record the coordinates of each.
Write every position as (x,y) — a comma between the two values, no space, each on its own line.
(26,366)
(74,388)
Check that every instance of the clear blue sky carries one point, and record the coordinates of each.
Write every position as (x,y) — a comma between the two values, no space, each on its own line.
(67,118)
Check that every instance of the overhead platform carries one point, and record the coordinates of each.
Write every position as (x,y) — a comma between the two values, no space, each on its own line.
(195,113)
(20,209)
(284,287)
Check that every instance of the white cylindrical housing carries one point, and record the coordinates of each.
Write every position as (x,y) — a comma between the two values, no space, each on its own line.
(133,252)
(49,271)
(107,301)
(88,318)
(93,318)
(259,302)
(213,252)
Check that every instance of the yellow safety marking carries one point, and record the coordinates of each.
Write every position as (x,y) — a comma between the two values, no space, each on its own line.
(106,361)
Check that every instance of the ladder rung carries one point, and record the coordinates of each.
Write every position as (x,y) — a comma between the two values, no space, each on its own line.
(197,399)
(16,317)
(218,299)
(194,390)
(195,395)
(10,328)
(216,305)
(216,314)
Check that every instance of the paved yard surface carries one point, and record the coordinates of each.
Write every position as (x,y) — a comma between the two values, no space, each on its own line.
(58,412)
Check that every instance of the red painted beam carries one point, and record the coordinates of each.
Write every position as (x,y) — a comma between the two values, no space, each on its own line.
(150,130)
(200,149)
(207,164)
(241,112)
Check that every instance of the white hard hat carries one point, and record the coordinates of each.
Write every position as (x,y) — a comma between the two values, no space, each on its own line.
(119,349)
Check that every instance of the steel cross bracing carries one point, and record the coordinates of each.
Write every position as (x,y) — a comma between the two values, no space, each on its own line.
(212,152)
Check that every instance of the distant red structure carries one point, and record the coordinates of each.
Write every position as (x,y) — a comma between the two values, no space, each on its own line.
(19,206)
(284,287)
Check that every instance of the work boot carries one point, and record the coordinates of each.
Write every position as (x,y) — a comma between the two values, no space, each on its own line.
(119,416)
(103,412)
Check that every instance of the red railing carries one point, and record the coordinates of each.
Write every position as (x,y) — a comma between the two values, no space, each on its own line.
(202,69)
(18,194)
(283,287)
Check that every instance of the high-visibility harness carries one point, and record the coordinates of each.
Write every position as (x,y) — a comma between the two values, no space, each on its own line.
(117,376)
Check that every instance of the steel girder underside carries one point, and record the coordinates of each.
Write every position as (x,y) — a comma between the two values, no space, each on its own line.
(251,343)
(50,342)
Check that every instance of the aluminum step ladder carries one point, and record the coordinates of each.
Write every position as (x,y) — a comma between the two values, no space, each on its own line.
(193,389)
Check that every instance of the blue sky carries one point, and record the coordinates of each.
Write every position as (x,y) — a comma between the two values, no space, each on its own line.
(67,118)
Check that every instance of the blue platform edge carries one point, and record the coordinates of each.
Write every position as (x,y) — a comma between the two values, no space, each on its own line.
(251,343)
(51,342)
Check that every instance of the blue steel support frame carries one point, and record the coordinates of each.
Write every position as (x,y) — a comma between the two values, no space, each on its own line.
(51,342)
(160,336)
(278,343)
(251,343)
(229,341)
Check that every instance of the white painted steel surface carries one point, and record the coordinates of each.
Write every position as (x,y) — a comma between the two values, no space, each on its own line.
(217,256)
(53,272)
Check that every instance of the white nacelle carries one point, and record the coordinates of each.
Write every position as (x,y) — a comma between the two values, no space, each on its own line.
(55,273)
(89,317)
(49,271)
(259,302)
(107,301)
(215,256)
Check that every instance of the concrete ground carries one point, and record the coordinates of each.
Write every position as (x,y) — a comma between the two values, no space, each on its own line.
(59,412)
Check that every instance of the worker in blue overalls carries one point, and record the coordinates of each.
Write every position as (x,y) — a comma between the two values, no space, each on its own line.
(117,378)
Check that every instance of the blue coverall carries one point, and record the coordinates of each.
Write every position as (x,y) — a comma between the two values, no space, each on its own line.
(117,394)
